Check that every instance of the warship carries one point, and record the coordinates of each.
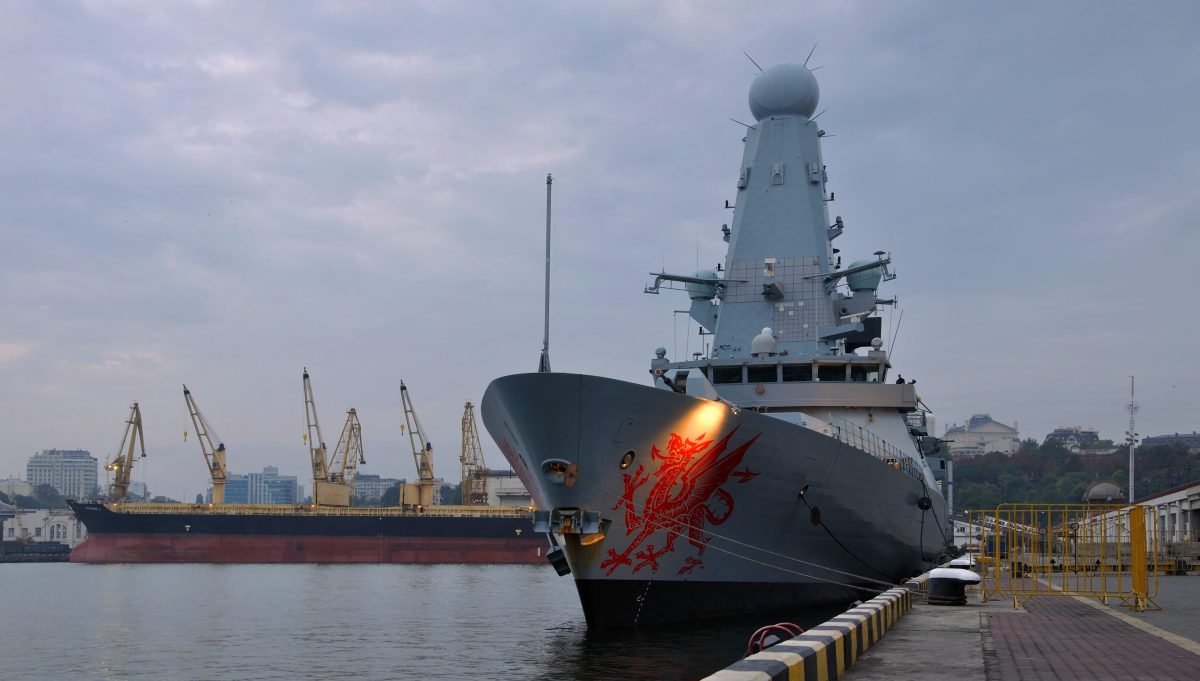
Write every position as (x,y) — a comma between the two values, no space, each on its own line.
(782,468)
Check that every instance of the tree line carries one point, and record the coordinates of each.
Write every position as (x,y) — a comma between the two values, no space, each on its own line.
(44,496)
(1049,474)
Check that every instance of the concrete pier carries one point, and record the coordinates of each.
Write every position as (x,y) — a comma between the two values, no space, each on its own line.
(1051,637)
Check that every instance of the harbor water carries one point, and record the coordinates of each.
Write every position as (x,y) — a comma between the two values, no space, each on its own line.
(365,622)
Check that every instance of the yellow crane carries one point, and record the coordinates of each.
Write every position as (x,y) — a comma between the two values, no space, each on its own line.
(329,483)
(474,473)
(343,466)
(323,493)
(421,492)
(214,455)
(121,465)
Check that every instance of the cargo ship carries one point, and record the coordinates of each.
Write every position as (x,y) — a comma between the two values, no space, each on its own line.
(276,533)
(328,530)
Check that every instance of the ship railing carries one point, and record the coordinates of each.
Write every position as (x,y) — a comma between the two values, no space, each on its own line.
(856,436)
(310,509)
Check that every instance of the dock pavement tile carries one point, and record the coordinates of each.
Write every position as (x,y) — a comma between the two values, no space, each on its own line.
(1064,640)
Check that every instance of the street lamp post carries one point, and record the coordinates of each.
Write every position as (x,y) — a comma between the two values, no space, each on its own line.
(1131,438)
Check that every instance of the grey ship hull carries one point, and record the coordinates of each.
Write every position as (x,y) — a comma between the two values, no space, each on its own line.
(722,522)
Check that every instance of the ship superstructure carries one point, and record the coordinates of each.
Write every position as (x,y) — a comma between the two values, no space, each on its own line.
(780,468)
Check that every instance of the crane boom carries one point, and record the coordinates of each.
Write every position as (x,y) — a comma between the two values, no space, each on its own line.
(122,464)
(214,456)
(343,466)
(316,444)
(329,489)
(420,494)
(474,473)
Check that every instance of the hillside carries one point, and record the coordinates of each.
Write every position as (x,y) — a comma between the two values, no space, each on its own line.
(1049,474)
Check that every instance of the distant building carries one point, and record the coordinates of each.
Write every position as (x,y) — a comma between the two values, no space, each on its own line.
(55,524)
(73,472)
(982,434)
(138,491)
(1074,437)
(267,487)
(367,486)
(12,487)
(1178,513)
(506,489)
(1191,441)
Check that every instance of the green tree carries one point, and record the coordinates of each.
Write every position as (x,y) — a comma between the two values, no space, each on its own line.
(390,496)
(452,494)
(22,501)
(48,497)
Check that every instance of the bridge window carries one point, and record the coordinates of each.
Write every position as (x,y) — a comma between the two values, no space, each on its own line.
(761,374)
(797,372)
(831,372)
(726,375)
(864,372)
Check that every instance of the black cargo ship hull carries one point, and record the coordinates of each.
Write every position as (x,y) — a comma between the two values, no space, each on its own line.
(301,534)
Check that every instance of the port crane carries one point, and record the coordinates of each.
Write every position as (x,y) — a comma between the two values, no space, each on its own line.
(328,489)
(474,472)
(214,456)
(348,454)
(121,465)
(421,492)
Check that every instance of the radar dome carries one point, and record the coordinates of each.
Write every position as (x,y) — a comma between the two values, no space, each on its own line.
(702,291)
(784,90)
(866,280)
(763,343)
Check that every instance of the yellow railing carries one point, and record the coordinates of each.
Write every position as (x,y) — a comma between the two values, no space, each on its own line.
(309,510)
(1091,550)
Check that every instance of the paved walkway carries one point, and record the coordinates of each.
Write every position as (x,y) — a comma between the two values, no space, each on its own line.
(1052,638)
(1059,638)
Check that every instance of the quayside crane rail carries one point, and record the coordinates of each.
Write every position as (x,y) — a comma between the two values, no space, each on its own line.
(474,484)
(420,494)
(121,465)
(348,454)
(214,455)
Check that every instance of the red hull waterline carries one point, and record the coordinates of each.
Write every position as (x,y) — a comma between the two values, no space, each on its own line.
(182,548)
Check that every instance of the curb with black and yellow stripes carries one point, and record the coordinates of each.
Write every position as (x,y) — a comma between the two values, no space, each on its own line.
(826,651)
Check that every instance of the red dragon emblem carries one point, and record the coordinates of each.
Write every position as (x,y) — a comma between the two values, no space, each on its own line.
(681,502)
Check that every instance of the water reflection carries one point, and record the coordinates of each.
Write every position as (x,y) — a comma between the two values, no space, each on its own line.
(185,622)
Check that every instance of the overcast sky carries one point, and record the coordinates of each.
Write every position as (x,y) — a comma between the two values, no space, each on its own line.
(221,194)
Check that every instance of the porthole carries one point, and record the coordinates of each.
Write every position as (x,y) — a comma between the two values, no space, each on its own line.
(627,459)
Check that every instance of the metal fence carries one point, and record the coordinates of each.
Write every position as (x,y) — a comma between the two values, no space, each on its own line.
(1091,550)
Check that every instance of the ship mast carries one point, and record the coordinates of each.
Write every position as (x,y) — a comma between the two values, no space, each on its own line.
(544,362)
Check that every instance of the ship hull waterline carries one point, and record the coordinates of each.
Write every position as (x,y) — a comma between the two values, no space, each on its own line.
(718,511)
(116,537)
